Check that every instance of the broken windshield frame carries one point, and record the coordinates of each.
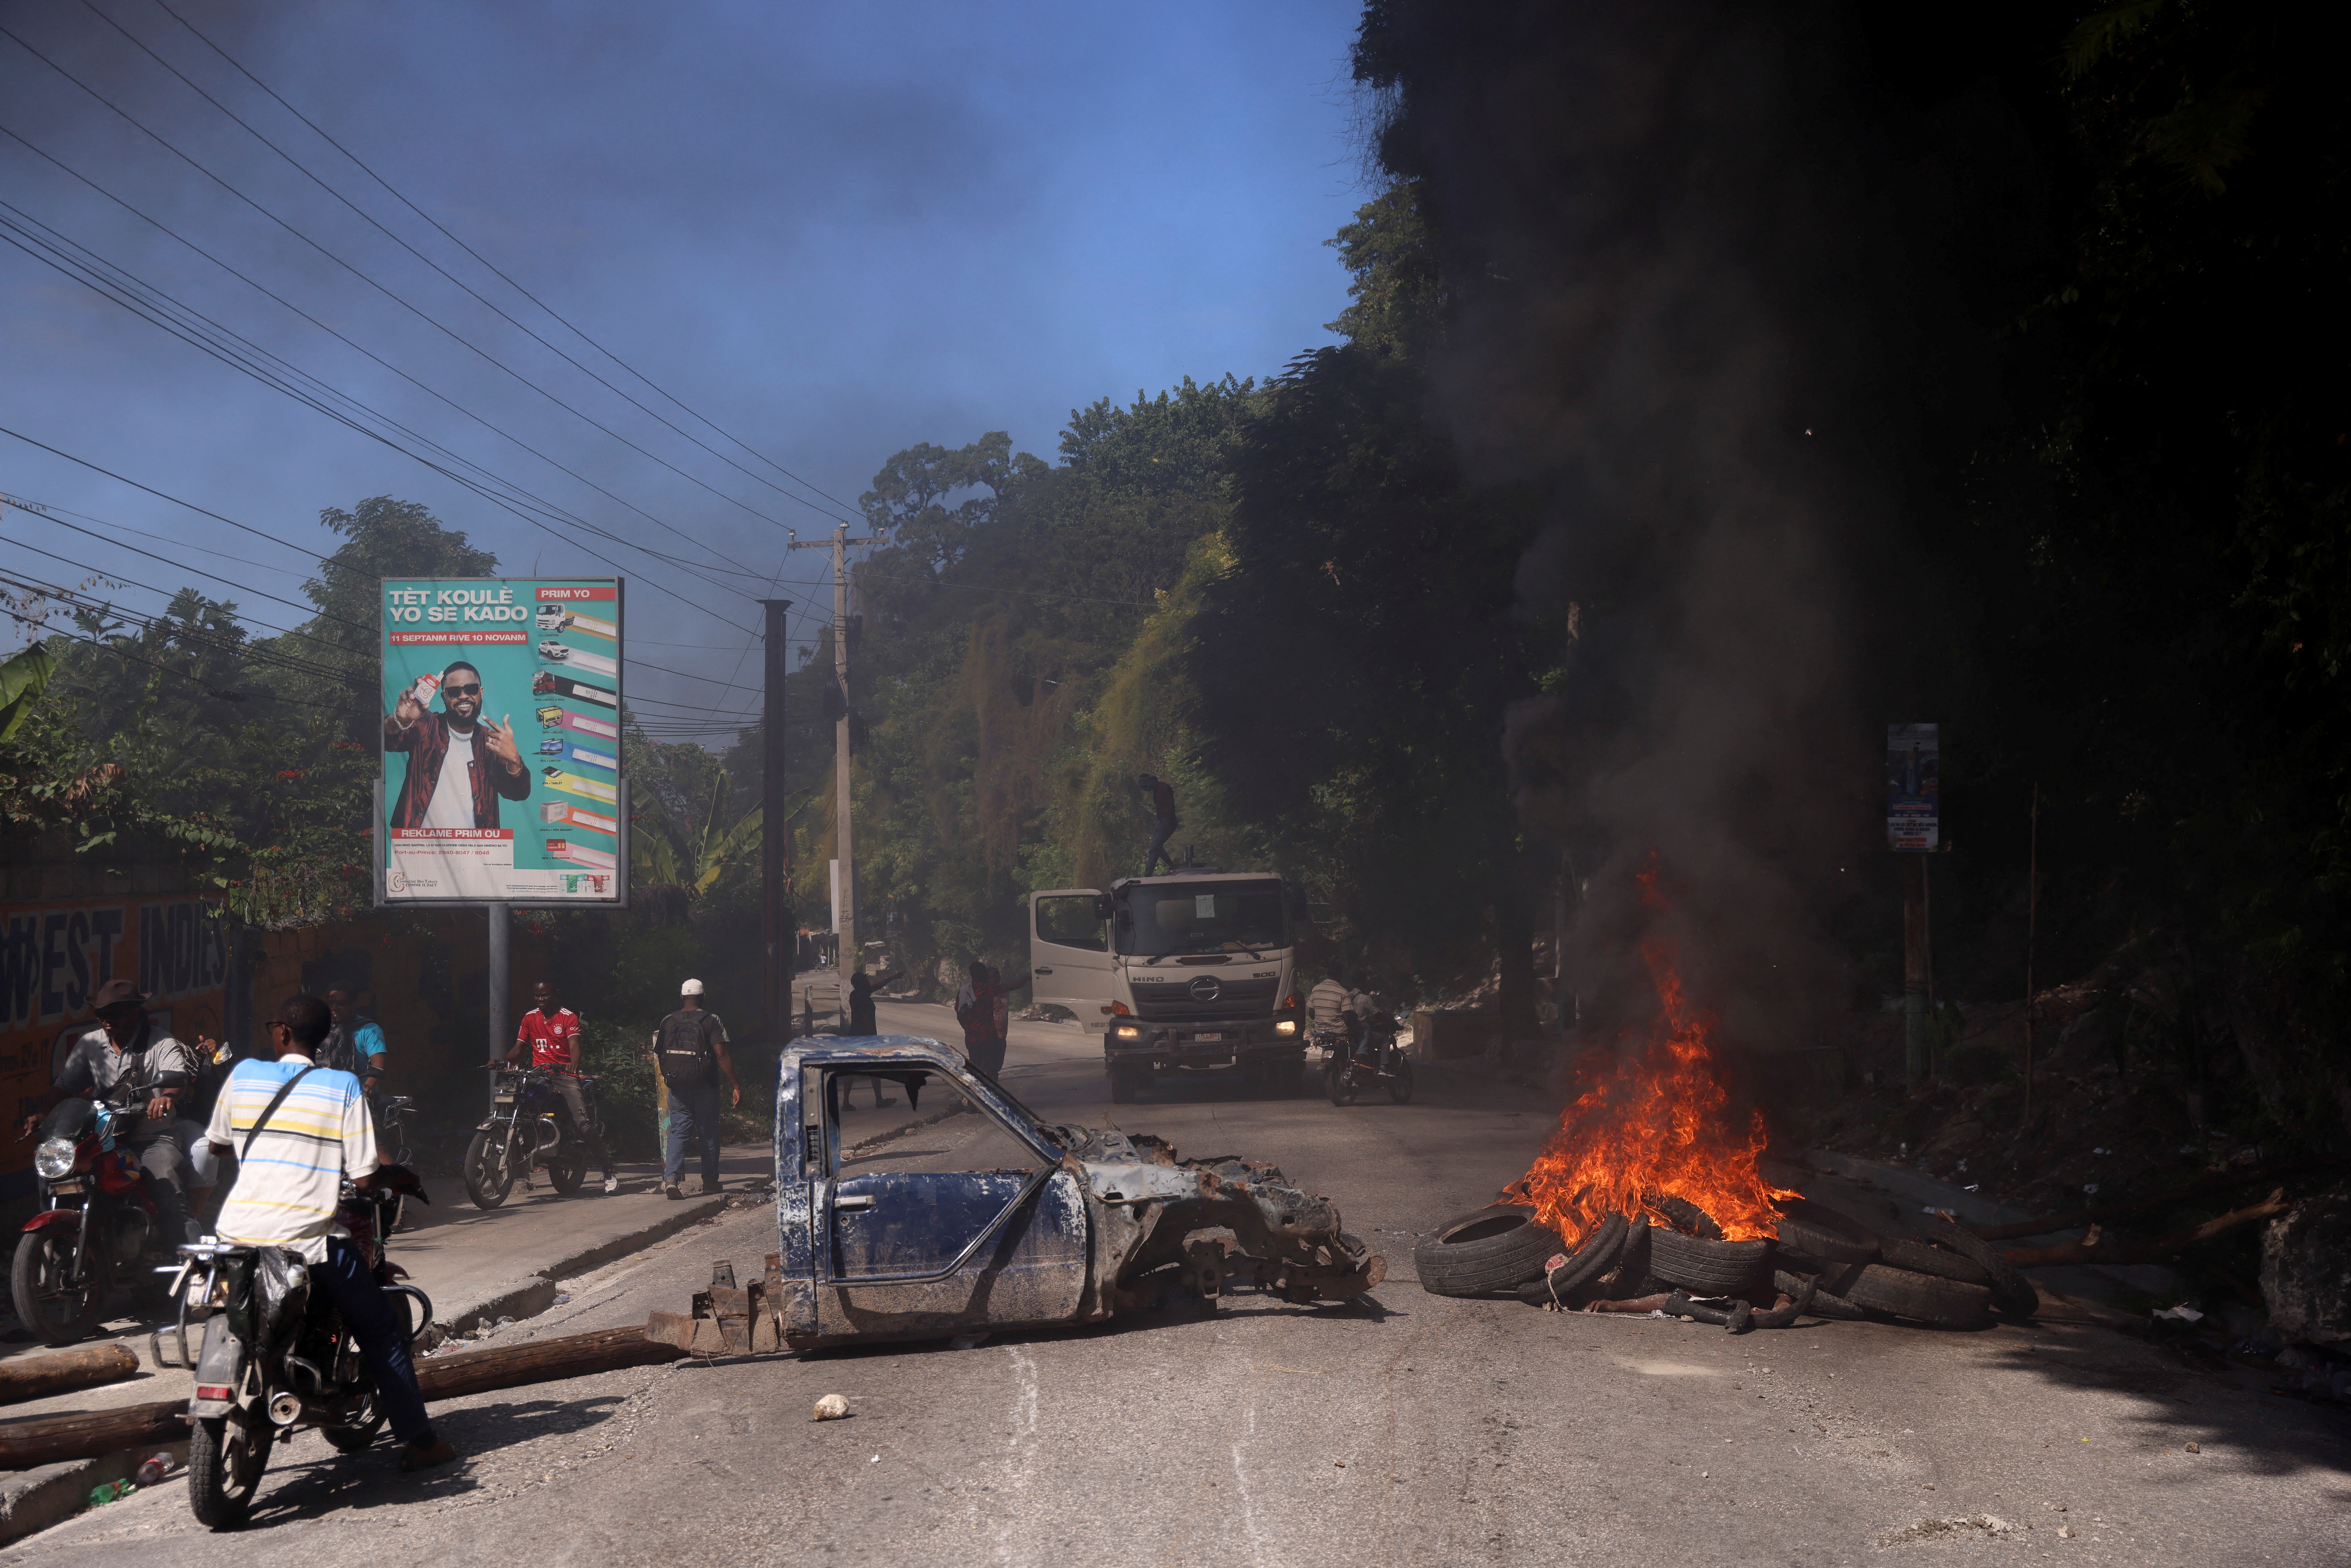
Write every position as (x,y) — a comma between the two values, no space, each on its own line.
(1162,919)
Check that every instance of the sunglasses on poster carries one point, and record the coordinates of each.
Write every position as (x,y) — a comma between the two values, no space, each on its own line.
(472,691)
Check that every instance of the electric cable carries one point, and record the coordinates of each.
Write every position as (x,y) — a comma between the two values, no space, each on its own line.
(419,314)
(577,331)
(313,177)
(697,570)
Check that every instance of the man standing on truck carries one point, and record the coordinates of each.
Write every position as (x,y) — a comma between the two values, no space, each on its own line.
(1162,809)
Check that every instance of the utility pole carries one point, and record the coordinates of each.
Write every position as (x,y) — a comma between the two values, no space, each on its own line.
(838,545)
(776,931)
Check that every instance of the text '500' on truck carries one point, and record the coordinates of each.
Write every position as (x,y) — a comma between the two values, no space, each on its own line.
(1185,973)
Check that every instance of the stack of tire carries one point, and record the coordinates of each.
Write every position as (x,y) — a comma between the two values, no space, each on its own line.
(1946,1276)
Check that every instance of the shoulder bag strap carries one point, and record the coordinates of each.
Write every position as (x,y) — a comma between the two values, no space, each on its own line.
(271,1109)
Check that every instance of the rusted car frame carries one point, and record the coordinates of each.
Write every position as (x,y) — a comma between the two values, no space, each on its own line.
(1105,1223)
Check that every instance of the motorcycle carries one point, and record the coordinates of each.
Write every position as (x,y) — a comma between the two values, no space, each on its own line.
(276,1357)
(527,1128)
(1349,1071)
(96,1223)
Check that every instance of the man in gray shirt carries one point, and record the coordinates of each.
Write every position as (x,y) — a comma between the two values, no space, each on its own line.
(127,1063)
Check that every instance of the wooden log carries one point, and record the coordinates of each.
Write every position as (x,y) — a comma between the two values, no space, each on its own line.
(84,1366)
(2161,1251)
(539,1361)
(46,1440)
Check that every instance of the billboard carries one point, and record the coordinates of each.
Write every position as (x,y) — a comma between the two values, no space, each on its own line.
(54,956)
(502,776)
(1913,766)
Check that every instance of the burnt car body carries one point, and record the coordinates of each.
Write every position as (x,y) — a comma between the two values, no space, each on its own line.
(1079,1225)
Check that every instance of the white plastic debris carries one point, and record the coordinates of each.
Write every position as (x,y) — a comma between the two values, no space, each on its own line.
(2183,1312)
(2091,1187)
(831,1407)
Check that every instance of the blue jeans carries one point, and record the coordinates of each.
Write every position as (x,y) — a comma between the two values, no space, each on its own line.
(692,1114)
(367,1313)
(1163,830)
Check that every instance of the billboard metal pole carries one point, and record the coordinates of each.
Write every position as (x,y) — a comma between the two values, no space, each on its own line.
(494,997)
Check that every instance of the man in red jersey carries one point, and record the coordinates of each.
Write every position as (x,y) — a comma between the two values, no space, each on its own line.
(551,1035)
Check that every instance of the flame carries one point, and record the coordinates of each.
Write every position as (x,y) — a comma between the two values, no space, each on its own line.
(1652,1123)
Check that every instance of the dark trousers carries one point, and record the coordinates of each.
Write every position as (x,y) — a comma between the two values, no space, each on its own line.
(693,1116)
(1158,850)
(986,1057)
(166,1165)
(367,1312)
(576,1103)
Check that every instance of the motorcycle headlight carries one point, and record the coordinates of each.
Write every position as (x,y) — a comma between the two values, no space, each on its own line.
(1287,1026)
(54,1158)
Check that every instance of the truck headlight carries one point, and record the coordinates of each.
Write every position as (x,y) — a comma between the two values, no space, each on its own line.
(1128,1031)
(1286,1026)
(54,1158)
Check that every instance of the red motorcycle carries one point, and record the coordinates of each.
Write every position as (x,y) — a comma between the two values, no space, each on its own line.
(97,1225)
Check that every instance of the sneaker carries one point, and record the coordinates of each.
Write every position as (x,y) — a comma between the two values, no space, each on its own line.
(612,1182)
(671,1189)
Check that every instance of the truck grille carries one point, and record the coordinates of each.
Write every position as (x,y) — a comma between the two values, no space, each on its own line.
(1174,1001)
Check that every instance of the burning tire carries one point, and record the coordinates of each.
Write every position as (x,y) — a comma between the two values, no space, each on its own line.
(1921,1257)
(1709,1267)
(1923,1297)
(1484,1252)
(1594,1258)
(2011,1292)
(1819,1231)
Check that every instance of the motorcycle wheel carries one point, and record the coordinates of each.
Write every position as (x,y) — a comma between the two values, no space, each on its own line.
(61,1311)
(1400,1086)
(488,1178)
(564,1175)
(1339,1082)
(226,1459)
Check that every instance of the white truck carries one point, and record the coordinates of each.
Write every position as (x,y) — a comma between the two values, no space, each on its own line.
(1193,972)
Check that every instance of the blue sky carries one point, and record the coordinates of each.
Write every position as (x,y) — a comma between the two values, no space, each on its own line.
(834,231)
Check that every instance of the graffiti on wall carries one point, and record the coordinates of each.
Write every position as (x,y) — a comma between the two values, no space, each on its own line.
(53,959)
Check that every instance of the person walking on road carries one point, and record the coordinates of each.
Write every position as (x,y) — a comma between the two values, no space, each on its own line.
(690,1048)
(292,1161)
(551,1035)
(1163,811)
(982,1008)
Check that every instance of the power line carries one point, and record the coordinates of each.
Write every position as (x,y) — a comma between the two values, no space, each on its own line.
(419,314)
(291,379)
(852,515)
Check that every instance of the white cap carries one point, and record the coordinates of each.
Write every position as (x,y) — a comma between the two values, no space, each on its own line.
(691,989)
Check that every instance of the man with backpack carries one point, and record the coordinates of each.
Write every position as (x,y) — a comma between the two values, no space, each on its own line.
(690,1049)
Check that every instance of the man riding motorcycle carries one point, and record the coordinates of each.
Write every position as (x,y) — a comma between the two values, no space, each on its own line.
(127,1061)
(289,1190)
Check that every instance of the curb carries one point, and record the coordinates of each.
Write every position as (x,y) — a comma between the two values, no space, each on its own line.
(535,1292)
(32,1500)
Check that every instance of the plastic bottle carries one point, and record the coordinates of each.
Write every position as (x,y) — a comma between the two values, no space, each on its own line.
(99,1496)
(154,1469)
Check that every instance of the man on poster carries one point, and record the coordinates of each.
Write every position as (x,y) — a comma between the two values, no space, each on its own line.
(459,762)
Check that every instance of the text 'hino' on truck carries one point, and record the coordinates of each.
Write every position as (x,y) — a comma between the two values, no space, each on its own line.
(1185,973)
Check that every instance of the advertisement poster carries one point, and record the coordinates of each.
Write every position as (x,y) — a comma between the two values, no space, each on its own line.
(502,779)
(53,959)
(1913,783)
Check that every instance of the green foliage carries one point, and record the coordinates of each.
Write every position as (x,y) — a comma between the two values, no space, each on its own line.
(1398,289)
(23,678)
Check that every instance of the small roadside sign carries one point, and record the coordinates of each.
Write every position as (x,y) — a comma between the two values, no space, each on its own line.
(1913,787)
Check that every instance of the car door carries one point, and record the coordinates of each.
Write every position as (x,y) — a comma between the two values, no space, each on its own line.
(1070,961)
(960,1224)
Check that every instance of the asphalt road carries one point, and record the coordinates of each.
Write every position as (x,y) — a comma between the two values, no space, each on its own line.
(1404,1430)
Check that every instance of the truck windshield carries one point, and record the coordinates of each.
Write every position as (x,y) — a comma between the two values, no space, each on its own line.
(1202,917)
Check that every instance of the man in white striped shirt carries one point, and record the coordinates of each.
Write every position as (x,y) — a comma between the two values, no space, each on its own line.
(289,1179)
